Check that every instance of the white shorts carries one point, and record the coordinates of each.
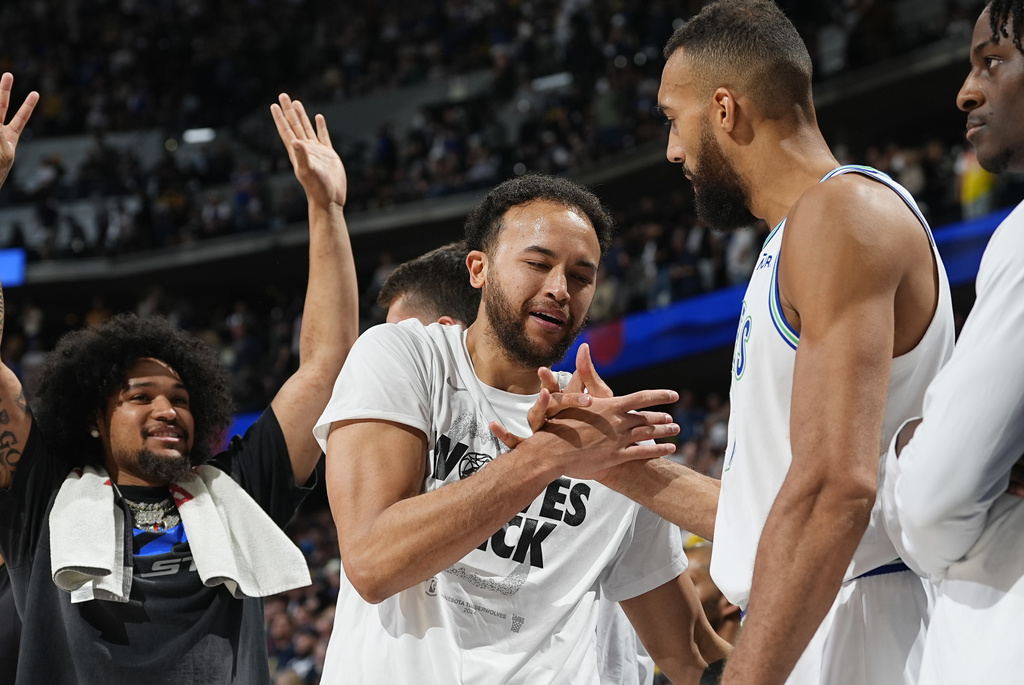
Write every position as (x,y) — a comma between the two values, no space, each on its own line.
(808,669)
(878,631)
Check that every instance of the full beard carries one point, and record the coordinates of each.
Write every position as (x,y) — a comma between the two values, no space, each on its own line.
(719,193)
(510,328)
(155,468)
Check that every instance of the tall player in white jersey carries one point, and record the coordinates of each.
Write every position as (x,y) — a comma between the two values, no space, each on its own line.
(846,320)
(946,498)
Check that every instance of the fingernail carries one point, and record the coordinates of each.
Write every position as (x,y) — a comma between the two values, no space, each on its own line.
(585,400)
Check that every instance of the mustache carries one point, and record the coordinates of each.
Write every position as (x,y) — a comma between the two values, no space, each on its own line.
(147,432)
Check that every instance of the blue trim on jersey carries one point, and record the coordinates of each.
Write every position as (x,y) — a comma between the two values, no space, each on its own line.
(164,543)
(788,333)
(772,234)
(894,567)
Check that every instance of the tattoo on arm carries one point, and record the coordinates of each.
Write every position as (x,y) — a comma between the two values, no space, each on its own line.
(22,404)
(9,457)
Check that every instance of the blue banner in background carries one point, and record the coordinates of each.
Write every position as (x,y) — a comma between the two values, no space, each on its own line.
(689,327)
(240,425)
(12,267)
(961,245)
(707,322)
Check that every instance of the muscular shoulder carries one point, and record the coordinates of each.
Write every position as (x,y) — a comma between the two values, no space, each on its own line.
(853,230)
(856,211)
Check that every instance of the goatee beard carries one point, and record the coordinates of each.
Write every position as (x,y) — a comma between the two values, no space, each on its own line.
(510,329)
(159,469)
(719,193)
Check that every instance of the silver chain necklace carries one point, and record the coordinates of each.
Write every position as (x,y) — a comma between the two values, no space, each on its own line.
(154,517)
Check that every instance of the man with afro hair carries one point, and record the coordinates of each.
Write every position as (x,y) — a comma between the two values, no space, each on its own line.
(119,455)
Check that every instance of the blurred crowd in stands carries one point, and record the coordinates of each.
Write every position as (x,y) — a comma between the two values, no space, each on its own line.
(104,67)
(114,65)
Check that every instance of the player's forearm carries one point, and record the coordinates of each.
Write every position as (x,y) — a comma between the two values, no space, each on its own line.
(713,647)
(667,620)
(420,536)
(674,492)
(805,549)
(680,671)
(330,326)
(330,316)
(17,420)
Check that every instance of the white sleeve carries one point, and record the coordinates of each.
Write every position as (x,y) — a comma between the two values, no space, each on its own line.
(386,377)
(649,557)
(972,432)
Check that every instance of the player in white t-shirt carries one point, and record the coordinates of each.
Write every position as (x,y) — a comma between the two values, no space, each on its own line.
(846,319)
(947,503)
(435,288)
(465,562)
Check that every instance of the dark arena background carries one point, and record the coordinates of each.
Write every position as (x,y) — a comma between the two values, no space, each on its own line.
(151,178)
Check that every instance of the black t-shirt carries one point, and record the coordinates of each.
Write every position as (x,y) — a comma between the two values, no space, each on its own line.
(10,629)
(173,629)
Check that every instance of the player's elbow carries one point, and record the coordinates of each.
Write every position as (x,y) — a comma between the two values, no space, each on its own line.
(930,512)
(848,496)
(367,580)
(932,531)
(920,519)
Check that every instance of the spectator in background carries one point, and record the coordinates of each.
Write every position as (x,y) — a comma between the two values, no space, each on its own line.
(977,185)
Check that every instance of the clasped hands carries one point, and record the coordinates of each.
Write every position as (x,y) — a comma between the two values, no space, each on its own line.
(589,428)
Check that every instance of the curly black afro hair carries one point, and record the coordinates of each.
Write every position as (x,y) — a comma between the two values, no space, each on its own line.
(88,366)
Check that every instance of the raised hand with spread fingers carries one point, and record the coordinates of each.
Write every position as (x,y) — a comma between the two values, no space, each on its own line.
(317,165)
(10,133)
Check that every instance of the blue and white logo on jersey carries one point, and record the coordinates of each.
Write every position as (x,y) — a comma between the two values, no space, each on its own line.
(739,363)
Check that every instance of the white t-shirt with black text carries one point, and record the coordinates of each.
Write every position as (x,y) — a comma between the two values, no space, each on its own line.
(522,607)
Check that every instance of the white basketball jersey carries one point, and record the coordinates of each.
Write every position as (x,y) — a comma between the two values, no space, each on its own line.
(759,453)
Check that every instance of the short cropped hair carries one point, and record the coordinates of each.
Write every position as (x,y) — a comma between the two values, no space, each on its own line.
(89,366)
(1000,13)
(748,44)
(485,221)
(436,283)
